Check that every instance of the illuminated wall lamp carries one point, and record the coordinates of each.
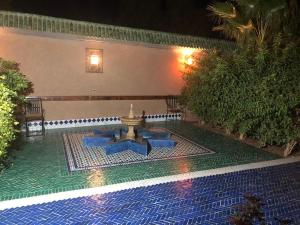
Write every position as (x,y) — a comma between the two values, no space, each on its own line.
(189,61)
(94,60)
(186,56)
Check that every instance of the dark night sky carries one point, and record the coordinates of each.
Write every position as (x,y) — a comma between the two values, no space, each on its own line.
(178,16)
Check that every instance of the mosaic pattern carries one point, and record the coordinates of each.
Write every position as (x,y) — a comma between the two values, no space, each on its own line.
(80,157)
(70,123)
(208,200)
(39,167)
(39,23)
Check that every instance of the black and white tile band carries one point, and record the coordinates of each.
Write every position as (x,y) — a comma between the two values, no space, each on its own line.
(54,124)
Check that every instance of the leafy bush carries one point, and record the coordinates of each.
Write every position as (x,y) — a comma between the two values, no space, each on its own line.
(251,212)
(255,93)
(6,121)
(13,87)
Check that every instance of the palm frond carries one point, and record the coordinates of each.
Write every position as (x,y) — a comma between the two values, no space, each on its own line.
(246,27)
(223,10)
(228,30)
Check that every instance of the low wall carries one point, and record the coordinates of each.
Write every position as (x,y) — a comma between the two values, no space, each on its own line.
(104,108)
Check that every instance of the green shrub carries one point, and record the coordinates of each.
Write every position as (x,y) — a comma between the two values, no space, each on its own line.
(6,121)
(251,92)
(13,87)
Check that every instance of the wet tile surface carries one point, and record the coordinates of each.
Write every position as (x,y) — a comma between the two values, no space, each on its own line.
(81,157)
(206,200)
(40,166)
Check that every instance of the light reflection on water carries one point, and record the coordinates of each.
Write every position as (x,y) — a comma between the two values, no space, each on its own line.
(184,166)
(96,179)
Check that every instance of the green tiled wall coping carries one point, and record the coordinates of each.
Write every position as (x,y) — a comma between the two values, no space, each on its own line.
(40,23)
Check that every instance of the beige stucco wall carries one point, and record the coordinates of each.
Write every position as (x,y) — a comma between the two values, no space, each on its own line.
(56,66)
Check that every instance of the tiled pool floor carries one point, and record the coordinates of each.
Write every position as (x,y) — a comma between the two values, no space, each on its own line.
(40,167)
(205,200)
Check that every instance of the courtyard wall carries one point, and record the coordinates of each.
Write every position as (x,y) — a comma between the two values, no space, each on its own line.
(55,64)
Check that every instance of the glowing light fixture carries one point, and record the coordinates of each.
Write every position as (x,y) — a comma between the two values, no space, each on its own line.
(187,56)
(94,60)
(187,51)
(189,61)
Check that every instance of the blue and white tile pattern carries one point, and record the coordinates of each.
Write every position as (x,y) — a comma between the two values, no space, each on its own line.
(54,124)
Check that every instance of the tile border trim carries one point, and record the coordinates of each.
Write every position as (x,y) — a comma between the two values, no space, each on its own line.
(140,183)
(47,24)
(69,123)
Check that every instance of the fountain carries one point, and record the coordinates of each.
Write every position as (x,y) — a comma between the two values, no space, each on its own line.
(142,144)
(131,121)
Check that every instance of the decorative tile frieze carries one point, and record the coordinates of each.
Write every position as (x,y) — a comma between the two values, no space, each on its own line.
(40,23)
(68,123)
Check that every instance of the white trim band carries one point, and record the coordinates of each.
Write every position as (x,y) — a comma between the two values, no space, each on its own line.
(140,183)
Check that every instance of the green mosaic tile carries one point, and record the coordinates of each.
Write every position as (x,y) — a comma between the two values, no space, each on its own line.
(39,23)
(40,166)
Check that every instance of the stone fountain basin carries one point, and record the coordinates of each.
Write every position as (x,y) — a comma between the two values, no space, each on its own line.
(131,121)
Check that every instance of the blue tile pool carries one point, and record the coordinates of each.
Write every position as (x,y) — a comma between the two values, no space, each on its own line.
(205,200)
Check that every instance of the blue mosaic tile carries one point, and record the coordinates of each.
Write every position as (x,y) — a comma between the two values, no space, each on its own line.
(206,200)
(94,150)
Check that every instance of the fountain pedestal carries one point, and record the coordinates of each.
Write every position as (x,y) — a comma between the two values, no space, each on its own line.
(131,121)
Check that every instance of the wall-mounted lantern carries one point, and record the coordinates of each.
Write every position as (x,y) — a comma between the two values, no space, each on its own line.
(187,56)
(94,60)
(187,59)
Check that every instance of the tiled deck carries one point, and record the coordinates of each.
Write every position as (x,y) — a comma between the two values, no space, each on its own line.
(40,168)
(205,200)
